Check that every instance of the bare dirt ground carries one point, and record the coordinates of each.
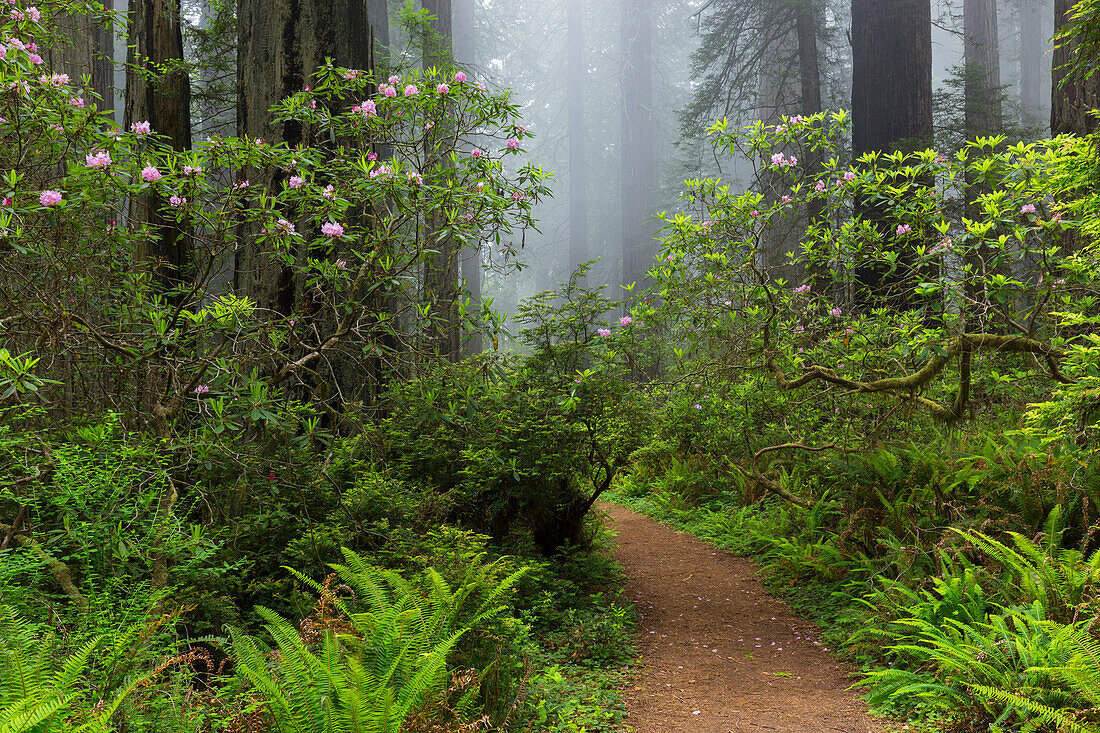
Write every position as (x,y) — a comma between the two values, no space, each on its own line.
(717,653)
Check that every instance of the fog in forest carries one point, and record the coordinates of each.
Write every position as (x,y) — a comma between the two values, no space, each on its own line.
(598,82)
(619,96)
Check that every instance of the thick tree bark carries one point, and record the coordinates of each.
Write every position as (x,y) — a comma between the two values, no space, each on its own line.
(1071,100)
(891,109)
(164,100)
(576,83)
(638,158)
(982,81)
(280,43)
(1033,45)
(86,47)
(464,44)
(441,285)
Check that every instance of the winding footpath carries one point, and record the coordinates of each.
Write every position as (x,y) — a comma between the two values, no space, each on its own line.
(717,653)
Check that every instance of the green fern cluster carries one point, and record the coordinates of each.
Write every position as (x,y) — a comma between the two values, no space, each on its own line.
(386,659)
(42,692)
(1029,664)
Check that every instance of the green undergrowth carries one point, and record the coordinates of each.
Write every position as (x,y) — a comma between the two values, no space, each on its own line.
(961,577)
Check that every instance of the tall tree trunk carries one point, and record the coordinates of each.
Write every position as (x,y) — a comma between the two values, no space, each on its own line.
(638,159)
(576,83)
(378,12)
(1070,99)
(1033,45)
(982,80)
(891,109)
(777,96)
(280,43)
(809,74)
(465,55)
(156,39)
(86,46)
(441,270)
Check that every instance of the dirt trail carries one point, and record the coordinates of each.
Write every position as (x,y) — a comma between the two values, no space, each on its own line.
(718,654)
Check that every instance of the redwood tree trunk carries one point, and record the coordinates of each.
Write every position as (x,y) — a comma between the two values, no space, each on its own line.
(441,284)
(982,81)
(1032,47)
(280,43)
(156,38)
(1070,100)
(465,55)
(891,109)
(578,172)
(639,165)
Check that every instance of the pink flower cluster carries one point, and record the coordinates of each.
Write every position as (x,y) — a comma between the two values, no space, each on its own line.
(801,289)
(177,202)
(295,182)
(332,229)
(512,143)
(98,159)
(903,229)
(192,170)
(150,174)
(778,159)
(387,91)
(626,321)
(381,171)
(366,108)
(604,331)
(1027,209)
(442,89)
(141,128)
(49,198)
(284,226)
(54,80)
(411,90)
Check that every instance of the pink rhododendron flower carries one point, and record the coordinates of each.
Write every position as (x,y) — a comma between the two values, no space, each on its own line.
(411,90)
(342,264)
(442,89)
(285,226)
(329,192)
(201,389)
(476,152)
(1027,209)
(835,311)
(142,128)
(295,182)
(98,159)
(512,143)
(604,331)
(192,170)
(367,108)
(33,14)
(177,201)
(801,289)
(697,407)
(460,77)
(754,213)
(626,320)
(149,174)
(49,198)
(849,176)
(819,186)
(77,102)
(34,59)
(903,229)
(390,92)
(394,79)
(332,229)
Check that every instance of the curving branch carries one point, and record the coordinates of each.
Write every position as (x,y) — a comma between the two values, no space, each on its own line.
(908,387)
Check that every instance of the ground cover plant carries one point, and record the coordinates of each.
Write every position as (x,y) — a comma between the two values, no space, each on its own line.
(245,485)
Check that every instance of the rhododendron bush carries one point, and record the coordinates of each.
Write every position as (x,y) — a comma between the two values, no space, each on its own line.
(402,169)
(934,284)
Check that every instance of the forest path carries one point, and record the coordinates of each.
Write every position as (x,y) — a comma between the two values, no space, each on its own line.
(717,653)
